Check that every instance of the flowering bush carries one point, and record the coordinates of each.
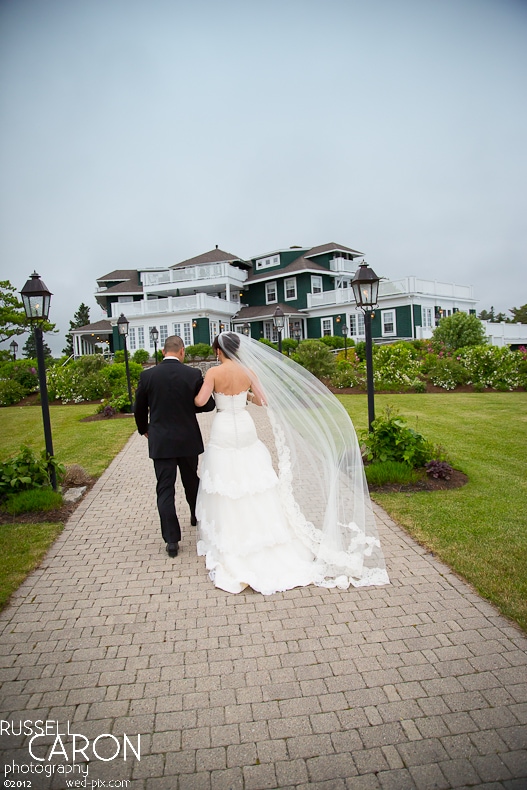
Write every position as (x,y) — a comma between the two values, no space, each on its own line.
(72,384)
(447,372)
(492,366)
(395,366)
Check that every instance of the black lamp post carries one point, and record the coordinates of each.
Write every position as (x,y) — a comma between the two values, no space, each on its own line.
(365,286)
(37,299)
(122,327)
(14,348)
(279,323)
(345,335)
(154,334)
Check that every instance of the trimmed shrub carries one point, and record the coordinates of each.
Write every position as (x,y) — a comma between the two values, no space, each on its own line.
(141,356)
(315,357)
(458,331)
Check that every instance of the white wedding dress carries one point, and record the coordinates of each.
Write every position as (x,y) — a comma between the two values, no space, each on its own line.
(244,532)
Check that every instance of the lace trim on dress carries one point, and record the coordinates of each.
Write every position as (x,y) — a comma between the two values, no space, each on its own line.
(332,562)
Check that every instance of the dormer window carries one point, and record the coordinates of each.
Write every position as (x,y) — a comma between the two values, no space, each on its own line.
(265,263)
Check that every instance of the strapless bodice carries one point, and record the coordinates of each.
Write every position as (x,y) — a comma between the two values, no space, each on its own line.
(231,403)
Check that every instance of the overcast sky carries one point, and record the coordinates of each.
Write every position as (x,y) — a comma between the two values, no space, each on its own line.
(143,132)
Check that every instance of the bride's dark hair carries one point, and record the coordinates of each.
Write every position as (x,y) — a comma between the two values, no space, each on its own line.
(228,342)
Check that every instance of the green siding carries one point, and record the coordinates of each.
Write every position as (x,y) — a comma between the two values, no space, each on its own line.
(403,319)
(418,315)
(313,327)
(201,331)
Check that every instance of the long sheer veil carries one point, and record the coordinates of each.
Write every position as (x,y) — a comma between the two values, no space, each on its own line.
(321,475)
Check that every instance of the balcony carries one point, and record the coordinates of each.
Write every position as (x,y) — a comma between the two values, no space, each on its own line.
(214,273)
(194,303)
(388,289)
(342,266)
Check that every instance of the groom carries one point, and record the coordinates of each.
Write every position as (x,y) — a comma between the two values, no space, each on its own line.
(164,412)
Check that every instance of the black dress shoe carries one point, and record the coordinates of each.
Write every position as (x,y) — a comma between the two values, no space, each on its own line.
(193,520)
(172,549)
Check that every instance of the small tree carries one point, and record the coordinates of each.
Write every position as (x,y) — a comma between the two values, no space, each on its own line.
(519,314)
(81,318)
(13,319)
(458,331)
(30,348)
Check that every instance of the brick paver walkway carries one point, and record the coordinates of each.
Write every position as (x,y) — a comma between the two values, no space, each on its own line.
(420,684)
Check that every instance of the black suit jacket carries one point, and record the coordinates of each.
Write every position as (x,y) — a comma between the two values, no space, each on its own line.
(164,408)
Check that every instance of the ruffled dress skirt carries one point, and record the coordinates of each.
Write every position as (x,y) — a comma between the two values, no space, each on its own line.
(243,532)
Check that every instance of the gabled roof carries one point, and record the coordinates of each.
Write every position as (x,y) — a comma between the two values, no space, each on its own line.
(298,265)
(322,248)
(264,311)
(127,287)
(119,274)
(212,256)
(98,326)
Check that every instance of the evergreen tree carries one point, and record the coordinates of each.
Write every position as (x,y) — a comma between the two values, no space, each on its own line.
(519,314)
(487,315)
(30,348)
(81,318)
(13,319)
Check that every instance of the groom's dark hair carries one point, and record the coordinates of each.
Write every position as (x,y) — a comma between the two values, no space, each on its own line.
(173,345)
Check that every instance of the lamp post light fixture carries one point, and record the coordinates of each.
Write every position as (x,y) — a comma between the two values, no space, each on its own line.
(279,323)
(37,299)
(154,334)
(122,328)
(246,329)
(14,348)
(365,286)
(344,331)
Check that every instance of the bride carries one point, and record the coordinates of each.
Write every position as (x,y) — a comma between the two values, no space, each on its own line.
(310,523)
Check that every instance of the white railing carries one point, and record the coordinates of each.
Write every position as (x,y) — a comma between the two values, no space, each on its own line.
(209,271)
(407,285)
(176,304)
(387,288)
(342,265)
(503,334)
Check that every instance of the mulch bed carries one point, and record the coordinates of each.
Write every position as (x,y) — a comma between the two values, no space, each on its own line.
(98,417)
(51,516)
(457,480)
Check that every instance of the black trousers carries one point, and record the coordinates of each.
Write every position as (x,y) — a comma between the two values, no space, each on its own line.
(166,473)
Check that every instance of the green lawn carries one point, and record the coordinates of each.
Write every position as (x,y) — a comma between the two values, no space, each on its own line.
(479,530)
(91,444)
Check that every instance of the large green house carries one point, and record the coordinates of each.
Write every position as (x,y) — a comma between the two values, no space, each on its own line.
(201,296)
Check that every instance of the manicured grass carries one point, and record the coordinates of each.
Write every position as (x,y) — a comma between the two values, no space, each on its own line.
(93,445)
(479,530)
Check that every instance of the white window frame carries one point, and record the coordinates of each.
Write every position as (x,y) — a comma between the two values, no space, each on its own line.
(426,317)
(270,332)
(163,334)
(316,284)
(141,336)
(183,330)
(356,326)
(131,338)
(326,327)
(386,321)
(268,287)
(287,285)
